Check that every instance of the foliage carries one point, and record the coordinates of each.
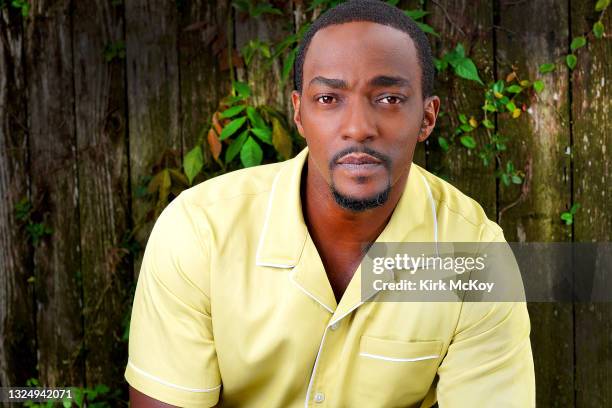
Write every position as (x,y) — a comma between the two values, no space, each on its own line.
(114,50)
(100,396)
(568,216)
(22,5)
(25,214)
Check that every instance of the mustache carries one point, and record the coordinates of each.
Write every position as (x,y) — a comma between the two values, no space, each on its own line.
(386,160)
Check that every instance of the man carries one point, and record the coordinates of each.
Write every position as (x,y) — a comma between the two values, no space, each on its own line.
(248,294)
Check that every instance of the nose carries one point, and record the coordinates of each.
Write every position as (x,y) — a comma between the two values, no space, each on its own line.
(358,122)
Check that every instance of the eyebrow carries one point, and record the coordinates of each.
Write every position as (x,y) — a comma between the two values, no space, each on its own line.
(379,81)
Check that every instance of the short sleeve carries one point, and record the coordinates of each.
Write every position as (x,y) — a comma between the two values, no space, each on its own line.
(172,355)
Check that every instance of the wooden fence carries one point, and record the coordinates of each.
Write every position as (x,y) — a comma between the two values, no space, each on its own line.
(92,92)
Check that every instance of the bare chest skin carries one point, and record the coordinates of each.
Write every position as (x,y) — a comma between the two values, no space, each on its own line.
(340,263)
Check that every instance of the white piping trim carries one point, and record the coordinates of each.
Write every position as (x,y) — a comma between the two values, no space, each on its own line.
(265,226)
(351,309)
(273,265)
(308,293)
(180,387)
(433,211)
(378,357)
(314,369)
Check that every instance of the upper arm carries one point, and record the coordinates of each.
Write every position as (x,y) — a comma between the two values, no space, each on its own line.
(172,357)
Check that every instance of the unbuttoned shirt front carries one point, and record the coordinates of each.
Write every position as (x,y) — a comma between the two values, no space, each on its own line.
(233,307)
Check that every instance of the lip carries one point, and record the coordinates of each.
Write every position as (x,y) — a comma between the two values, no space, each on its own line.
(358,159)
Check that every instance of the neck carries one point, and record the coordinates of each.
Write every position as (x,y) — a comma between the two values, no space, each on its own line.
(326,219)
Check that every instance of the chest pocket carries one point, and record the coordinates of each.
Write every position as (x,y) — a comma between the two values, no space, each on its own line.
(392,373)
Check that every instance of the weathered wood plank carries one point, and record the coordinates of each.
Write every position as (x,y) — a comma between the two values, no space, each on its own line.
(99,78)
(469,23)
(592,144)
(528,38)
(17,313)
(202,36)
(153,97)
(50,91)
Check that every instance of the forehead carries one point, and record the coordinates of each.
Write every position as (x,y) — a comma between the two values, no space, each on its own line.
(357,51)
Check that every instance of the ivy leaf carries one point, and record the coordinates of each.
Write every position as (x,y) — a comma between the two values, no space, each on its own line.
(233,111)
(571,61)
(488,124)
(514,89)
(242,89)
(416,14)
(538,86)
(575,207)
(466,128)
(466,68)
(235,146)
(545,68)
(601,4)
(567,217)
(192,164)
(578,42)
(443,143)
(288,65)
(598,29)
(232,127)
(498,87)
(250,154)
(263,134)
(440,64)
(255,118)
(517,179)
(214,143)
(427,29)
(505,179)
(463,118)
(468,141)
(510,106)
(281,139)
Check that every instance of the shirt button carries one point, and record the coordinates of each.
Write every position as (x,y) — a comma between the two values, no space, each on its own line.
(334,326)
(319,397)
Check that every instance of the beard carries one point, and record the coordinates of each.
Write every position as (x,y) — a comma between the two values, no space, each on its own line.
(361,204)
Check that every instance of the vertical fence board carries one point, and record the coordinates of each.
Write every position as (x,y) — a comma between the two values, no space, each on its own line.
(202,33)
(592,144)
(17,323)
(471,26)
(526,40)
(153,98)
(54,188)
(266,83)
(103,185)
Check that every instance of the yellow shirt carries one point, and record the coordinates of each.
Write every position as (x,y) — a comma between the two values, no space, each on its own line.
(233,306)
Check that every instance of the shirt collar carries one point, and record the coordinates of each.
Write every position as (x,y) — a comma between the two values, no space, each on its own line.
(284,231)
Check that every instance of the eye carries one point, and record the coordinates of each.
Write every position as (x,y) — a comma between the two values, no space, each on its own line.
(391,100)
(326,99)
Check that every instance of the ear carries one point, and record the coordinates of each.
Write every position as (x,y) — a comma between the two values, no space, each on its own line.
(297,118)
(431,107)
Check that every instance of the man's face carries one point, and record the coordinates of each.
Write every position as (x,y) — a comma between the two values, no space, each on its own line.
(361,110)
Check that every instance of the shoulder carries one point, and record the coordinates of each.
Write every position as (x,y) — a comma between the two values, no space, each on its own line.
(461,214)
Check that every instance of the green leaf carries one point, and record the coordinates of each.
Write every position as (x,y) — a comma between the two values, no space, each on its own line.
(568,218)
(571,61)
(498,86)
(242,89)
(235,146)
(427,29)
(463,118)
(288,65)
(598,29)
(263,134)
(443,143)
(232,127)
(601,4)
(488,124)
(517,179)
(251,154)
(468,141)
(467,69)
(510,106)
(538,86)
(575,207)
(466,128)
(440,64)
(255,118)
(514,89)
(233,111)
(489,107)
(193,163)
(578,42)
(545,68)
(416,14)
(265,8)
(505,179)
(393,2)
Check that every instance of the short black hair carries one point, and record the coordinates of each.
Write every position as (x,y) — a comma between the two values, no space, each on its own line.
(375,11)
